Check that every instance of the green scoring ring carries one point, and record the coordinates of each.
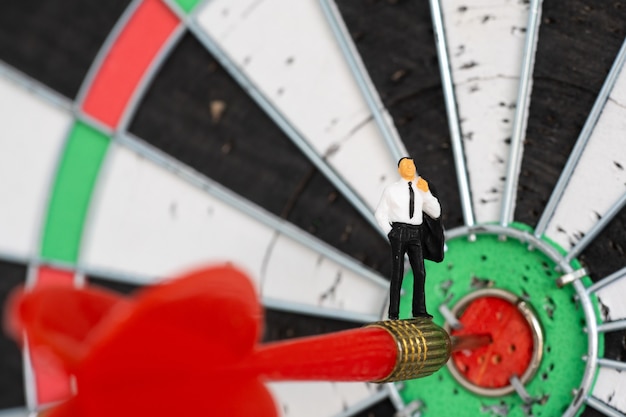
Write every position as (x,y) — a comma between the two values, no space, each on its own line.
(510,265)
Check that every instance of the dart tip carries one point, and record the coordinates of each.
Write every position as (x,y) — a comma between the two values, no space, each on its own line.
(470,342)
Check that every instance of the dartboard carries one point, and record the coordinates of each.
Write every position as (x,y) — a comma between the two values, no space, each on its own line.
(144,138)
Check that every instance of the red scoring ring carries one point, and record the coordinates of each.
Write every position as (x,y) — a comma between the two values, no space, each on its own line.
(511,350)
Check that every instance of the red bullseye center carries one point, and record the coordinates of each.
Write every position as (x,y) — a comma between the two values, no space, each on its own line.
(511,350)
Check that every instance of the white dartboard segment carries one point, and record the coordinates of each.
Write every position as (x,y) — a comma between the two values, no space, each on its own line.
(485,47)
(315,399)
(288,51)
(292,272)
(610,388)
(32,136)
(599,179)
(612,297)
(148,222)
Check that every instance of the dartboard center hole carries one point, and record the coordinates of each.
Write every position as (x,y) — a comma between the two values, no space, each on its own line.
(515,348)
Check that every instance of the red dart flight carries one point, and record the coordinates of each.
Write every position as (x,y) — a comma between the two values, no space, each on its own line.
(188,345)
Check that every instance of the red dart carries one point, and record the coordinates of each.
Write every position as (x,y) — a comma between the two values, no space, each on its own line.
(190,346)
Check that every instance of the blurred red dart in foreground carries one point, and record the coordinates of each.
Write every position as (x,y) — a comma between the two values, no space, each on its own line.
(190,346)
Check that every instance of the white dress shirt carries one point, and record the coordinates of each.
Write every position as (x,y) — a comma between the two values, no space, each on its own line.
(394,205)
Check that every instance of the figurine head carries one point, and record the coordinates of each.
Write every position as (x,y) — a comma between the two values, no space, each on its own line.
(406,168)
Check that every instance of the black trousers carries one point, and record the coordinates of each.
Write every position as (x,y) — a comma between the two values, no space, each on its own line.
(406,239)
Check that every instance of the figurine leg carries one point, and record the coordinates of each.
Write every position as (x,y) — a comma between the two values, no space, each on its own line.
(397,272)
(416,258)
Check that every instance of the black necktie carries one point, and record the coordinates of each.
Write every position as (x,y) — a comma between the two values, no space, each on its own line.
(411,201)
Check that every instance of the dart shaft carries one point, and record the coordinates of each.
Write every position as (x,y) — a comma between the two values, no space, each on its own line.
(382,352)
(354,355)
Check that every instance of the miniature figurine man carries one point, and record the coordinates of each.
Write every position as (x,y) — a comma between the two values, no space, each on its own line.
(400,215)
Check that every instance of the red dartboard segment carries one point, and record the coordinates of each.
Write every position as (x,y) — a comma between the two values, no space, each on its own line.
(124,66)
(47,276)
(51,381)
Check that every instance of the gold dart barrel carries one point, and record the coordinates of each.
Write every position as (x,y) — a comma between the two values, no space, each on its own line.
(423,347)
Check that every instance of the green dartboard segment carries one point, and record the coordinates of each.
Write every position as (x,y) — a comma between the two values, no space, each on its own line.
(187,5)
(531,275)
(71,194)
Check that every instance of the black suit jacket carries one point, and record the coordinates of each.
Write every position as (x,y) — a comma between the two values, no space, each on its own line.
(432,236)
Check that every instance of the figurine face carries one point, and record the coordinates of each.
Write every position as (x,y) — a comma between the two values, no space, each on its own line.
(407,169)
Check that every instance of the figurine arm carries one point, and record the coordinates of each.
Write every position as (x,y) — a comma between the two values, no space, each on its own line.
(382,214)
(431,205)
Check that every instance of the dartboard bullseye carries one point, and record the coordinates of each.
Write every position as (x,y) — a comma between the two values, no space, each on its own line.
(516,342)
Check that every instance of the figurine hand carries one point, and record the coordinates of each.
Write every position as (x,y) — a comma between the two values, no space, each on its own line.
(422,184)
